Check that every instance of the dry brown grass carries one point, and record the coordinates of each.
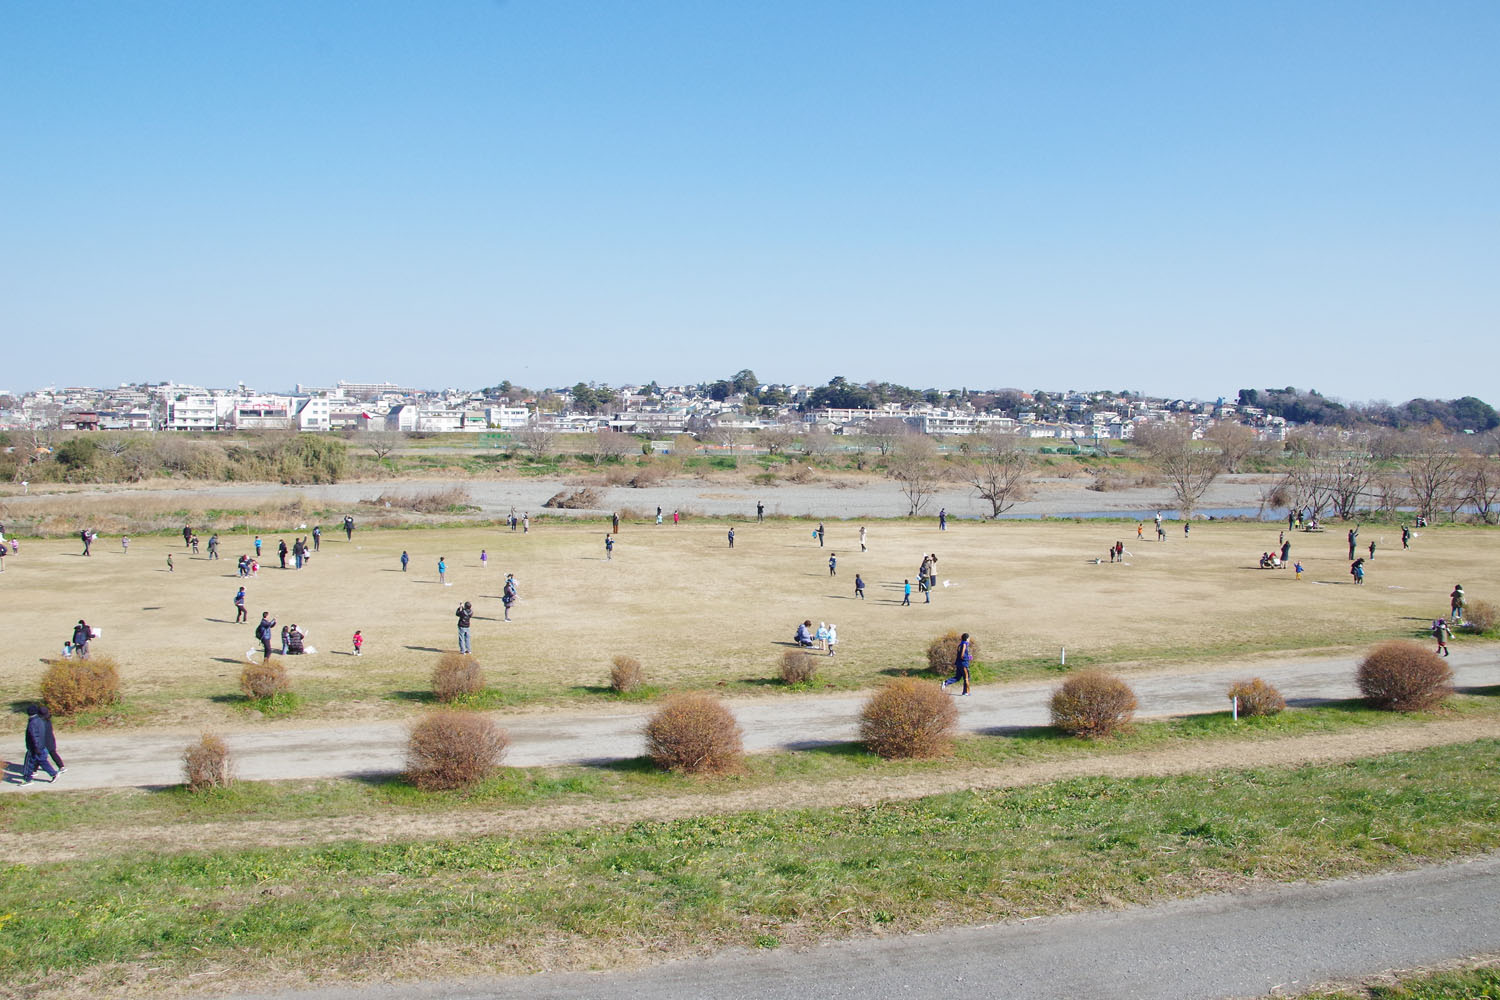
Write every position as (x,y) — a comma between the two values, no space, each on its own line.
(1404,677)
(1256,697)
(1092,705)
(672,589)
(909,718)
(625,674)
(70,686)
(456,675)
(695,734)
(206,764)
(797,666)
(1480,615)
(431,501)
(264,680)
(451,749)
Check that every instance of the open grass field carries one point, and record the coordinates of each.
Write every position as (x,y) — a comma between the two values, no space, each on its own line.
(698,614)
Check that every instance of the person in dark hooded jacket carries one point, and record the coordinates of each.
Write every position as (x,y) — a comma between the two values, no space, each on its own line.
(46,714)
(36,745)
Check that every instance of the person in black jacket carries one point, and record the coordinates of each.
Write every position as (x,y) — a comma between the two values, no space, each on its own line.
(465,614)
(264,631)
(81,636)
(46,714)
(294,639)
(36,745)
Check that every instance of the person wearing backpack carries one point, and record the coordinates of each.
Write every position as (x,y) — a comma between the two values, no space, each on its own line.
(264,631)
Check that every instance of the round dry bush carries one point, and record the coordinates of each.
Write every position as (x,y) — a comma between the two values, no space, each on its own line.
(1092,704)
(456,675)
(942,650)
(798,667)
(1404,677)
(206,764)
(695,734)
(263,680)
(1256,697)
(70,686)
(1480,615)
(453,749)
(909,718)
(625,674)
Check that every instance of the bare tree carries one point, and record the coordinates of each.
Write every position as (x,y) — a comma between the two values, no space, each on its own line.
(816,442)
(914,464)
(538,439)
(1188,469)
(1001,473)
(382,443)
(776,438)
(608,444)
(1235,443)
(1483,475)
(1304,486)
(1349,477)
(1435,474)
(884,432)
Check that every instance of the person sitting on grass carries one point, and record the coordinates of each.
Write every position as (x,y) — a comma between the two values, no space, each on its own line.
(804,636)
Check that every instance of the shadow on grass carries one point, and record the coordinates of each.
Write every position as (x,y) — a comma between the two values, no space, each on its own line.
(425,649)
(1484,690)
(1349,705)
(645,692)
(1034,734)
(227,659)
(624,765)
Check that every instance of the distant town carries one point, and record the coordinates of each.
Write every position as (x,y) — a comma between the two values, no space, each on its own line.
(739,406)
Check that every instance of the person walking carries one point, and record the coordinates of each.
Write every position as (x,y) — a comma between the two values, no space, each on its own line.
(170,567)
(36,746)
(760,512)
(240,614)
(82,633)
(962,657)
(193,542)
(51,738)
(465,614)
(359,642)
(609,547)
(1140,528)
(187,535)
(317,536)
(833,637)
(508,594)
(1456,604)
(88,540)
(349,527)
(906,594)
(263,633)
(1442,633)
(731,538)
(404,560)
(862,547)
(833,564)
(281,550)
(859,587)
(1187,526)
(442,571)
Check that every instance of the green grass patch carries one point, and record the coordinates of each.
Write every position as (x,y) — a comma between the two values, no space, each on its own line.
(1465,984)
(743,879)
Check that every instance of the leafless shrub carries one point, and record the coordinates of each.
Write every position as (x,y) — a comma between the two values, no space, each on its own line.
(1256,697)
(1092,704)
(1480,615)
(70,686)
(909,718)
(206,764)
(695,734)
(942,651)
(1404,677)
(263,680)
(453,749)
(798,666)
(625,674)
(456,675)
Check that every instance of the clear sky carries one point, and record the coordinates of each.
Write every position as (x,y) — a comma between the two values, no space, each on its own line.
(1176,197)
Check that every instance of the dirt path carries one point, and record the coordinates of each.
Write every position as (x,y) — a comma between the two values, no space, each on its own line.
(269,752)
(395,826)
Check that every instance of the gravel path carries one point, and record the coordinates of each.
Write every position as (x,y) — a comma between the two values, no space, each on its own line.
(272,751)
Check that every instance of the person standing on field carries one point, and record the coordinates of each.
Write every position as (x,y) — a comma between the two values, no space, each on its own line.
(614,523)
(442,571)
(609,547)
(349,527)
(317,536)
(465,614)
(820,534)
(263,632)
(859,587)
(404,560)
(731,538)
(1456,603)
(1353,537)
(281,551)
(508,594)
(1372,550)
(760,512)
(88,539)
(862,539)
(1405,537)
(170,567)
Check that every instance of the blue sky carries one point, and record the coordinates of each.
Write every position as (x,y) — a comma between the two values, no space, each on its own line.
(1180,198)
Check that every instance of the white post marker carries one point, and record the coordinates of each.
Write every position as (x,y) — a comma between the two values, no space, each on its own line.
(1063,659)
(1234,700)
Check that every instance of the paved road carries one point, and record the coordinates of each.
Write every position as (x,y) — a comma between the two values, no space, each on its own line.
(150,758)
(1238,945)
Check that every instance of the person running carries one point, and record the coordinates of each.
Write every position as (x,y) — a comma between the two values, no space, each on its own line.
(264,631)
(359,642)
(833,564)
(1187,526)
(464,614)
(240,614)
(906,594)
(862,547)
(1442,633)
(404,560)
(508,595)
(609,547)
(961,660)
(36,746)
(731,538)
(859,587)
(442,571)
(1456,604)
